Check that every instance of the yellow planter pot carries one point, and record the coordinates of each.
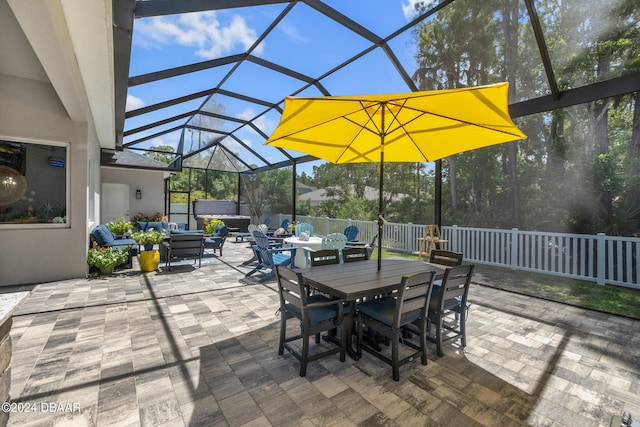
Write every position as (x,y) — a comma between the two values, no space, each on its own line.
(149,260)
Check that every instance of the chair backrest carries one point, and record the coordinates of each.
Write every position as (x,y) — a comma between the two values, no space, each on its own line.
(267,221)
(186,245)
(292,291)
(352,233)
(448,258)
(355,253)
(285,224)
(221,231)
(333,241)
(324,257)
(412,299)
(251,228)
(302,227)
(454,289)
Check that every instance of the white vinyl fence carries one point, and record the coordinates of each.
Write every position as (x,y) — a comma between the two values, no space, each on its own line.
(602,259)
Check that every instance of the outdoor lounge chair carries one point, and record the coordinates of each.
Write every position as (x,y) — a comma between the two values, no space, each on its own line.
(316,314)
(268,257)
(330,241)
(302,227)
(352,233)
(217,239)
(389,315)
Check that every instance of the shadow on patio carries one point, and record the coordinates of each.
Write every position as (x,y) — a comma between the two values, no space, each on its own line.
(198,347)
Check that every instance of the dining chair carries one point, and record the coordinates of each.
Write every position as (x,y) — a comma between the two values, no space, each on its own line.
(355,253)
(324,257)
(390,314)
(316,314)
(450,299)
(448,258)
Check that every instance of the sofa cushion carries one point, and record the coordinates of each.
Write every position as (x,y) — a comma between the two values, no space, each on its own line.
(220,231)
(142,225)
(102,235)
(157,226)
(187,231)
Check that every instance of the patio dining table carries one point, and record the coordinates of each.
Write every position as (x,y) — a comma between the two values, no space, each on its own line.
(356,280)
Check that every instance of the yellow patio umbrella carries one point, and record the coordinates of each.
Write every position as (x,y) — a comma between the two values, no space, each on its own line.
(409,127)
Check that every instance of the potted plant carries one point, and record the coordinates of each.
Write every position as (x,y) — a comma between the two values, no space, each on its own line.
(149,258)
(107,258)
(148,238)
(119,227)
(211,224)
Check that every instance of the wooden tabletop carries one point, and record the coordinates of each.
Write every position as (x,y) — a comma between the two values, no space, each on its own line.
(360,279)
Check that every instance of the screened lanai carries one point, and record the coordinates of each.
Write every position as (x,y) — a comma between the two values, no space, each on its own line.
(202,84)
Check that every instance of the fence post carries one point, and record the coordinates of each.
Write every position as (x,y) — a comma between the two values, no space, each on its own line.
(514,248)
(601,261)
(454,238)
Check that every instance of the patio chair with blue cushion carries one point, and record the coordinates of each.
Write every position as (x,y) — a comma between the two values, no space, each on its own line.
(315,313)
(448,307)
(105,239)
(217,239)
(182,246)
(268,257)
(389,315)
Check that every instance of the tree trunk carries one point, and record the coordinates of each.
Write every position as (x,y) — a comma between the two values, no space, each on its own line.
(634,149)
(452,185)
(510,25)
(601,135)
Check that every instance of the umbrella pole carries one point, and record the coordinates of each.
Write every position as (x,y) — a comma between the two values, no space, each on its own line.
(380,212)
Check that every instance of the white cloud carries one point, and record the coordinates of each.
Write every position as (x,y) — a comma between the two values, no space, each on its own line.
(203,31)
(263,123)
(292,32)
(133,103)
(409,9)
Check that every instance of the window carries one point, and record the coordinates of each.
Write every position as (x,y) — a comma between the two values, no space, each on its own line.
(33,183)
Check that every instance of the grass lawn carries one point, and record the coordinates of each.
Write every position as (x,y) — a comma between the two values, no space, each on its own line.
(609,299)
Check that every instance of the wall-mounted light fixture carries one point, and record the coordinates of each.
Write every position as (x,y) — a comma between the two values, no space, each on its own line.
(138,194)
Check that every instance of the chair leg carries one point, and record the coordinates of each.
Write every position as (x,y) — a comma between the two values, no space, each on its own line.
(439,335)
(394,358)
(305,354)
(283,330)
(343,338)
(463,329)
(423,340)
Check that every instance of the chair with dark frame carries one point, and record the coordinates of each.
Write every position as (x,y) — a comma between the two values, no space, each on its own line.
(355,253)
(448,258)
(450,299)
(324,257)
(184,246)
(316,314)
(390,314)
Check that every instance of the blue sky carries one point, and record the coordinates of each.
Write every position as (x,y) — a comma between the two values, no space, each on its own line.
(304,41)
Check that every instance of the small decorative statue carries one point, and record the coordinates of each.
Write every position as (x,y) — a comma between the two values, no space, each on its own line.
(304,236)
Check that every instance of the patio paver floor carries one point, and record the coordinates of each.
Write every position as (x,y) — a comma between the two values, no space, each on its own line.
(198,347)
